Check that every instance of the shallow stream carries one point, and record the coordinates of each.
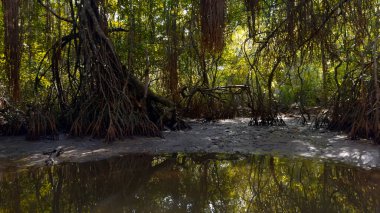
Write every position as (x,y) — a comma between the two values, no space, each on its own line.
(191,183)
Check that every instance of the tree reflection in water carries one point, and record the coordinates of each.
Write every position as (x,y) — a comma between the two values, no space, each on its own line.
(192,183)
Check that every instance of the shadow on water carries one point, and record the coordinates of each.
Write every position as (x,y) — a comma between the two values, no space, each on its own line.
(192,183)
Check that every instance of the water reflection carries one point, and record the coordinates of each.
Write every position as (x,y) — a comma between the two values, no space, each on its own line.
(197,183)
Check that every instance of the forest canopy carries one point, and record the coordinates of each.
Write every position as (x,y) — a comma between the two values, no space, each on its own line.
(114,68)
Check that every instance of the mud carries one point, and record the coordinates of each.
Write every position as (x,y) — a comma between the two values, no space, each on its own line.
(224,136)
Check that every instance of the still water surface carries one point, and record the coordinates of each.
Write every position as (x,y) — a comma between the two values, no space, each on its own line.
(192,183)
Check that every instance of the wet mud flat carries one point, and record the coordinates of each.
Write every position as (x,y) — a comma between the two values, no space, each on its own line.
(232,136)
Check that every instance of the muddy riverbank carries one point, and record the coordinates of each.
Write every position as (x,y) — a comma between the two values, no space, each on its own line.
(224,136)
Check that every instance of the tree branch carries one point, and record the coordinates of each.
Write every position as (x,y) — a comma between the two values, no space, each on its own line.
(54,13)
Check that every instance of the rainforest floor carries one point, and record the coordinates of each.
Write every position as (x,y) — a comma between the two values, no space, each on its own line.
(232,136)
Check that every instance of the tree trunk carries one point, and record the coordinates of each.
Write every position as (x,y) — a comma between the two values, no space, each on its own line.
(12,46)
(172,50)
(110,104)
(213,14)
(324,74)
(131,36)
(376,122)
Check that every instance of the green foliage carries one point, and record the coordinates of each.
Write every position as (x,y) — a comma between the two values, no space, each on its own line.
(288,52)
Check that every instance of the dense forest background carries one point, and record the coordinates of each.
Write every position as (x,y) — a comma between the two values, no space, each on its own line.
(113,68)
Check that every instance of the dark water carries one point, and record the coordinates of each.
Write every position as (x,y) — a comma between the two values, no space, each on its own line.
(192,183)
